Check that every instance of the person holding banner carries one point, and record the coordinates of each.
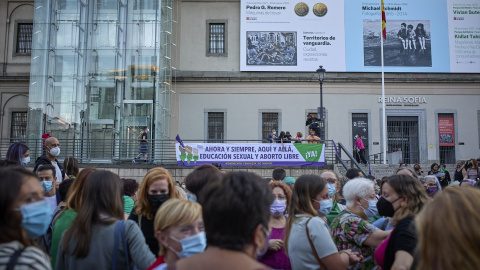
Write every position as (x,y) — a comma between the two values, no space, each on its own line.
(312,137)
(272,137)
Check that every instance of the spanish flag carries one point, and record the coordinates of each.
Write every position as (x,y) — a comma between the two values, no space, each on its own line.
(384,21)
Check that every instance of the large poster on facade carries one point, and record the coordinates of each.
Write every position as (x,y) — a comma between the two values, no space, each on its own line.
(344,36)
(446,131)
(251,154)
(292,35)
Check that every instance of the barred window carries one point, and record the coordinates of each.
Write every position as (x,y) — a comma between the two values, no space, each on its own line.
(269,122)
(217,38)
(18,126)
(24,38)
(216,126)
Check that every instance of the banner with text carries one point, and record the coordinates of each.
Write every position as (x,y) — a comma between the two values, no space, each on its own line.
(251,154)
(344,36)
(446,131)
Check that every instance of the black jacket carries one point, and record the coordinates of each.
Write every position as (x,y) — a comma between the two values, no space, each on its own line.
(42,160)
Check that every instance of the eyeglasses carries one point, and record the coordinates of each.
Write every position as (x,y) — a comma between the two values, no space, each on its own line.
(54,145)
(331,180)
(431,185)
(280,197)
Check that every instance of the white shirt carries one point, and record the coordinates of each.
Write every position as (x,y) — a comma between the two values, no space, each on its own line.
(52,201)
(58,172)
(299,250)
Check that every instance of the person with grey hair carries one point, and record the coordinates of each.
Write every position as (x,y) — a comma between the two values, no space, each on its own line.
(351,229)
(407,171)
(433,185)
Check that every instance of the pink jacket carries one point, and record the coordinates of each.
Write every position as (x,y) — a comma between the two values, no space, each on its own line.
(359,143)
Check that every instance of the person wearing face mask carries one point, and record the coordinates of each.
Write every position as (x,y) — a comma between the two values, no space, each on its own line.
(24,215)
(275,256)
(99,238)
(235,208)
(402,198)
(272,137)
(180,232)
(472,171)
(307,239)
(418,170)
(312,137)
(351,228)
(333,191)
(52,149)
(156,188)
(433,185)
(46,175)
(19,153)
(361,148)
(459,171)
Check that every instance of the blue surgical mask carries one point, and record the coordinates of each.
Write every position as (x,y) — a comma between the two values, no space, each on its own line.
(25,161)
(36,218)
(277,208)
(372,208)
(191,245)
(331,189)
(47,185)
(325,207)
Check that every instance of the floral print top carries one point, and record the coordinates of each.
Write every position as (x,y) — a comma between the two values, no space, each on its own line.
(349,231)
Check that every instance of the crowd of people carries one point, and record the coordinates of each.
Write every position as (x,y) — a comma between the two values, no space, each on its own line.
(60,217)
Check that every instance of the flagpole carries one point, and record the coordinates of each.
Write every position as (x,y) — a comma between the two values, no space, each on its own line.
(383,84)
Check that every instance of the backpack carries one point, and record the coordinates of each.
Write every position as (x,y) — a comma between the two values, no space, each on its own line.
(45,241)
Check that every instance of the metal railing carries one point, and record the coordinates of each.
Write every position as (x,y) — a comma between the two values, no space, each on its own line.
(350,161)
(117,151)
(376,158)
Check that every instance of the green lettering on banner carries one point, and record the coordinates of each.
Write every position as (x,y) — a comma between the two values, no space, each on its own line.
(310,152)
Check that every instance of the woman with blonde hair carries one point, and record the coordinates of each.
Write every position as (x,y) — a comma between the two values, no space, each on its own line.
(459,246)
(156,188)
(402,198)
(179,230)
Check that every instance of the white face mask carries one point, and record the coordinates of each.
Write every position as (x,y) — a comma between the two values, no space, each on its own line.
(55,151)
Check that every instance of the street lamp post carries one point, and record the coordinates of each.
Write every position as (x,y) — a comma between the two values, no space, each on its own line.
(321,76)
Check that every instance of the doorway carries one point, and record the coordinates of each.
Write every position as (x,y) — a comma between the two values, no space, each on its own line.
(402,134)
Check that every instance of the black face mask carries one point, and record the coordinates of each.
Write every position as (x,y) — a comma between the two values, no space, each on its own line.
(156,201)
(385,208)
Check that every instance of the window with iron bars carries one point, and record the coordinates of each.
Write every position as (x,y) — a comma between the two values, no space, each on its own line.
(216,126)
(24,39)
(18,125)
(269,122)
(217,38)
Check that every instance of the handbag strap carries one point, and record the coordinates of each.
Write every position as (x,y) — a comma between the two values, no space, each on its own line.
(119,232)
(322,266)
(124,241)
(14,258)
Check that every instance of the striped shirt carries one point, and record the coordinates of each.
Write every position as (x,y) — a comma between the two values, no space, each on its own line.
(31,258)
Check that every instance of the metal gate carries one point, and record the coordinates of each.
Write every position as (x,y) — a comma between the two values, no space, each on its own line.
(402,133)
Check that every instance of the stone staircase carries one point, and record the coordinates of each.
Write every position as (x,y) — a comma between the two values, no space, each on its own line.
(381,170)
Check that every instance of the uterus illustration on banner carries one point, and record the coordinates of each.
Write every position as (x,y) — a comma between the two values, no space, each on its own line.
(251,154)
